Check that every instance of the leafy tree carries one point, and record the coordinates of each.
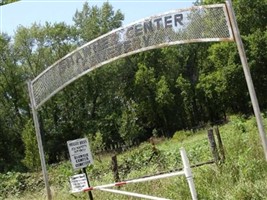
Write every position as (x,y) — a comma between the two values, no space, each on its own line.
(165,101)
(13,106)
(97,143)
(31,159)
(39,47)
(145,83)
(93,21)
(256,52)
(130,130)
(187,95)
(4,2)
(94,95)
(251,15)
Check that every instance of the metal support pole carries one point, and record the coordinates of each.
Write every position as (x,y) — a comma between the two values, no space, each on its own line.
(188,174)
(40,145)
(246,70)
(89,192)
(143,196)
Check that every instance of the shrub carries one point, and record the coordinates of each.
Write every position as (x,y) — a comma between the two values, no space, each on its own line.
(179,136)
(31,159)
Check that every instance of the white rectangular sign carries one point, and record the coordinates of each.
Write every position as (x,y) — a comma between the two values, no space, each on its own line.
(78,183)
(80,154)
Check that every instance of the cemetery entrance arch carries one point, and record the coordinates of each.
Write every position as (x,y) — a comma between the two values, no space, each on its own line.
(212,23)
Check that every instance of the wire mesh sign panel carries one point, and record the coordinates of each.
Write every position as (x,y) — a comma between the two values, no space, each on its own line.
(196,24)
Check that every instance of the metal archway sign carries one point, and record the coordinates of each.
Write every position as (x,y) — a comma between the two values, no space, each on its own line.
(196,24)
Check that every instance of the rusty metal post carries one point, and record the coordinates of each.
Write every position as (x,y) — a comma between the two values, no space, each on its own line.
(246,70)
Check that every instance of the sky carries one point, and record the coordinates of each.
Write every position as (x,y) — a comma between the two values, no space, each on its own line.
(26,12)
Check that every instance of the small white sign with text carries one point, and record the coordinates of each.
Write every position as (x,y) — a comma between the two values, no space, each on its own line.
(78,183)
(80,154)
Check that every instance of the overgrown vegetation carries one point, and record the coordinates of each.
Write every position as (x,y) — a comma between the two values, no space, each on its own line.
(32,158)
(157,92)
(243,175)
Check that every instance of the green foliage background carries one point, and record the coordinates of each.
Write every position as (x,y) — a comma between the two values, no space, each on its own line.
(242,175)
(5,2)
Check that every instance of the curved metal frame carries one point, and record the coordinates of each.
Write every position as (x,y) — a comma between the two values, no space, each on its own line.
(171,28)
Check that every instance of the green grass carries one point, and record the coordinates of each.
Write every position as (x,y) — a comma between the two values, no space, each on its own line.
(243,175)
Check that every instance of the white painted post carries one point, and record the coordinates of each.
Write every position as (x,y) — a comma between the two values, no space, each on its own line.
(186,171)
(188,174)
(246,70)
(143,196)
(40,145)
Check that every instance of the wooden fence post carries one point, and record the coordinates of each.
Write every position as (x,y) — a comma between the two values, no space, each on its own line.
(220,144)
(114,166)
(213,146)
